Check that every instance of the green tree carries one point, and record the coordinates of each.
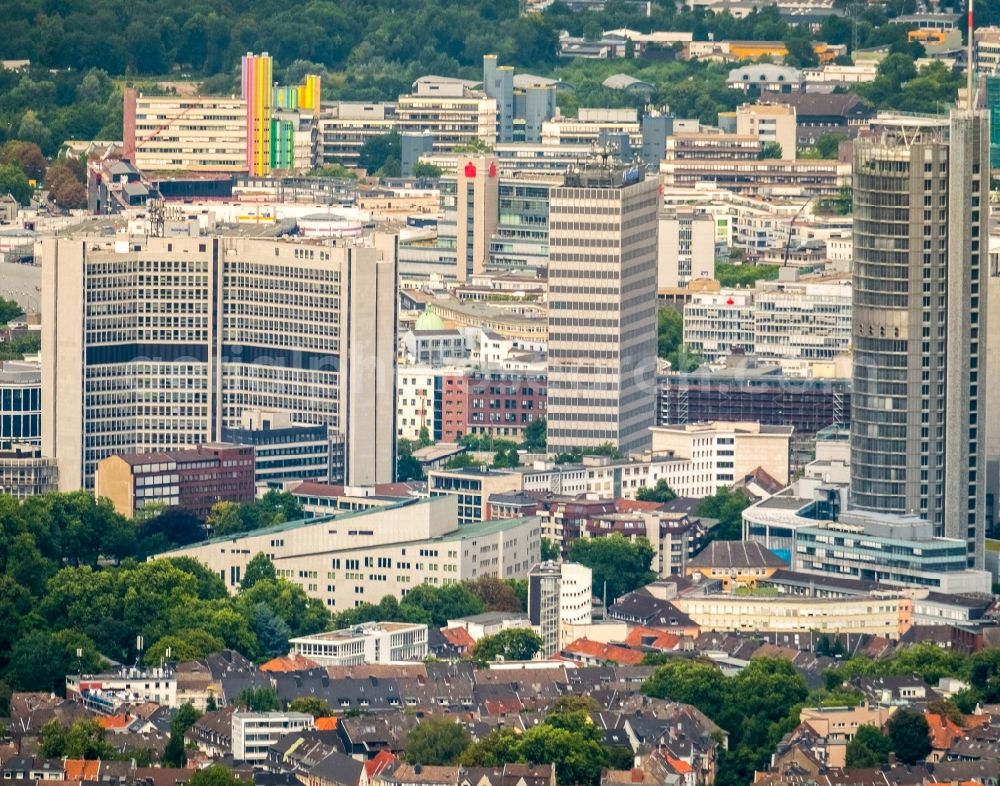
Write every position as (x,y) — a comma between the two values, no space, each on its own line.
(40,660)
(183,645)
(727,506)
(690,682)
(27,156)
(311,705)
(909,735)
(52,739)
(13,181)
(216,775)
(423,169)
(260,568)
(620,563)
(436,741)
(670,341)
(33,129)
(440,604)
(407,467)
(661,492)
(868,748)
(771,150)
(174,754)
(745,275)
(258,700)
(510,644)
(8,310)
(535,435)
(550,551)
(494,593)
(382,154)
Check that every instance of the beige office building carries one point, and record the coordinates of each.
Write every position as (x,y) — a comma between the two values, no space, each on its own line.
(602,308)
(454,111)
(155,344)
(185,133)
(770,123)
(363,556)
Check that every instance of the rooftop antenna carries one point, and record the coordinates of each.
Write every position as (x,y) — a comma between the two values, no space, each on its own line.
(972,62)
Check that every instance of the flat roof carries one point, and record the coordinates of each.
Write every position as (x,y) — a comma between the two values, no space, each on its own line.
(365,629)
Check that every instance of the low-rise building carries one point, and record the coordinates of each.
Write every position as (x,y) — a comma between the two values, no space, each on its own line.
(736,564)
(471,488)
(191,479)
(365,555)
(255,732)
(370,642)
(107,691)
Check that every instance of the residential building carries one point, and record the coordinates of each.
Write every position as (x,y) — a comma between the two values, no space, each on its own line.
(364,555)
(107,691)
(194,480)
(472,488)
(490,623)
(326,499)
(685,246)
(918,340)
(602,308)
(726,452)
(171,340)
(255,732)
(755,79)
(559,594)
(771,124)
(674,536)
(370,642)
(453,111)
(819,113)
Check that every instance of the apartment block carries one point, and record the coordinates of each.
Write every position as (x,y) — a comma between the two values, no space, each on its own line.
(471,487)
(686,243)
(194,480)
(345,126)
(559,594)
(168,341)
(370,642)
(255,732)
(360,557)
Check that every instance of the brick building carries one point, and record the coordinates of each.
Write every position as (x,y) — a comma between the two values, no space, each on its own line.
(191,479)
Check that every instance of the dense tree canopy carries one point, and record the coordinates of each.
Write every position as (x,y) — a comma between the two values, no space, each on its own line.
(437,741)
(510,644)
(622,563)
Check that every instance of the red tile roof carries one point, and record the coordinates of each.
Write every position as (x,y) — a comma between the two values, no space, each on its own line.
(325,724)
(82,769)
(287,663)
(379,762)
(458,637)
(604,652)
(679,766)
(640,636)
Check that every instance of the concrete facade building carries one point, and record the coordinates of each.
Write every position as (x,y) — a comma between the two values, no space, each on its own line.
(453,111)
(602,308)
(685,247)
(388,550)
(345,126)
(255,732)
(190,133)
(770,123)
(370,642)
(559,594)
(194,480)
(987,51)
(471,488)
(727,452)
(919,324)
(477,212)
(170,340)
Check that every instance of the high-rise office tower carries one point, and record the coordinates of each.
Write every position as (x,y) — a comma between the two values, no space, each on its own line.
(477,211)
(602,308)
(921,218)
(498,84)
(155,344)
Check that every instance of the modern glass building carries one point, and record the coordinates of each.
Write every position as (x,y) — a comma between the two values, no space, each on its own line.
(20,404)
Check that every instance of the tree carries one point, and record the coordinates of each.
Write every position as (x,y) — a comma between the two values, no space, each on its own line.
(32,129)
(510,644)
(670,341)
(550,551)
(535,435)
(13,181)
(437,741)
(909,735)
(185,718)
(691,682)
(621,563)
(259,700)
(727,506)
(83,740)
(184,645)
(41,660)
(495,593)
(381,154)
(771,150)
(311,705)
(868,748)
(259,568)
(26,155)
(423,169)
(407,467)
(661,492)
(216,775)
